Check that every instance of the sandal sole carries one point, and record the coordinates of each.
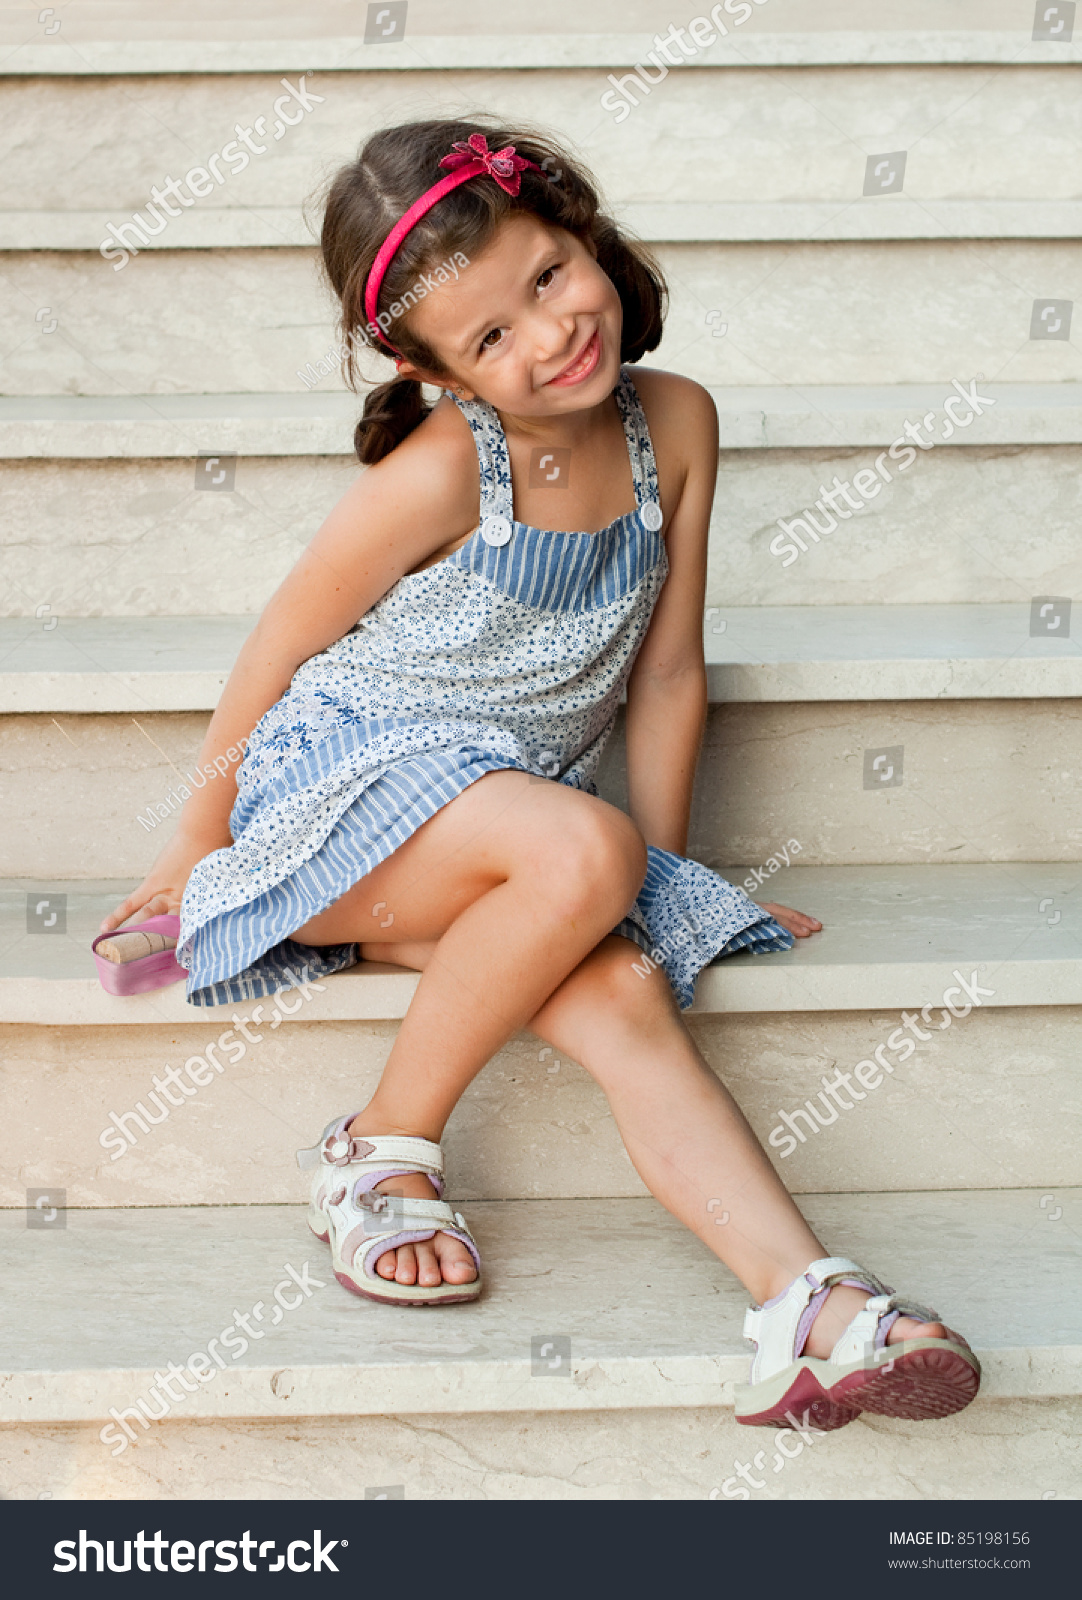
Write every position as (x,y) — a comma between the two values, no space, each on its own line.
(926,1379)
(433,1298)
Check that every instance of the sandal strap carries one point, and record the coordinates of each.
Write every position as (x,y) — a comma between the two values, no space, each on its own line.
(868,1330)
(337,1148)
(374,1223)
(779,1327)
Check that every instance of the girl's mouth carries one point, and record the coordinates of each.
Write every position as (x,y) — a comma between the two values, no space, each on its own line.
(583,364)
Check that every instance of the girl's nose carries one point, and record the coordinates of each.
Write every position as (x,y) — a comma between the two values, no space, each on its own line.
(554,335)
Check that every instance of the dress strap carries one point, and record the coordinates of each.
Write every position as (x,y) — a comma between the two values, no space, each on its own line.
(493,458)
(640,446)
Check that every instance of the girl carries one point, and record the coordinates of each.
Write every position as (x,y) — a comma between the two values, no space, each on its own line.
(418,784)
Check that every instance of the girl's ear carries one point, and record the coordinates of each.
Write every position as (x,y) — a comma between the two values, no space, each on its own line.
(406,369)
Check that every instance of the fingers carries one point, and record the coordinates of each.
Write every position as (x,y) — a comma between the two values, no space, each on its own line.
(123,911)
(797,922)
(159,905)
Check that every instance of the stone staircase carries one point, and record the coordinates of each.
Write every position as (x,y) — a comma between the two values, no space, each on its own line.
(905,651)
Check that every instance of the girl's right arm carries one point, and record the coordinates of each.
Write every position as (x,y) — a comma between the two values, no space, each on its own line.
(391,519)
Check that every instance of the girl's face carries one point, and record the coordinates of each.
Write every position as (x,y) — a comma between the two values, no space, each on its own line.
(532,326)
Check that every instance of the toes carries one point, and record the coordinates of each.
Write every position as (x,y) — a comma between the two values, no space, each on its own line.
(428,1268)
(455,1260)
(406,1267)
(908,1328)
(386,1264)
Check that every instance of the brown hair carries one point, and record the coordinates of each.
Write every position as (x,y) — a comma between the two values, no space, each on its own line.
(392,170)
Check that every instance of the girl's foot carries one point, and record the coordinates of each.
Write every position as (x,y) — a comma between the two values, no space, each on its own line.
(428,1262)
(841,1306)
(836,1342)
(377,1201)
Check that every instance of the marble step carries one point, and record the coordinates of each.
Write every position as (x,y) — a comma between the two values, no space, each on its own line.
(754,654)
(971,780)
(134,537)
(164,39)
(256,328)
(796,143)
(730,222)
(320,422)
(892,937)
(599,1363)
(93,1105)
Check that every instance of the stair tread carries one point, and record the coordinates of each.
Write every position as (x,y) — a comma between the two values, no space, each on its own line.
(893,936)
(754,653)
(652,1318)
(320,421)
(563,46)
(218,227)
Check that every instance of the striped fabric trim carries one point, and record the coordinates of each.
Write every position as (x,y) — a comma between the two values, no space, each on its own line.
(246,953)
(567,572)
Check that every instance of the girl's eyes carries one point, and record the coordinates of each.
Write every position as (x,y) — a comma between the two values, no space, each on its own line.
(493,335)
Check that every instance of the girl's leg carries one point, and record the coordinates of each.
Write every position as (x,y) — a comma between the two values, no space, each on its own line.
(688,1139)
(509,886)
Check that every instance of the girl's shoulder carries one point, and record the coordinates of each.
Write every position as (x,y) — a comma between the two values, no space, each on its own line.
(681,416)
(434,470)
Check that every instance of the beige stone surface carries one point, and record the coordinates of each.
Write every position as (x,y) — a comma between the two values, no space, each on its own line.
(784,135)
(753,654)
(203,20)
(982,780)
(988,523)
(652,1318)
(397,1388)
(988,780)
(993,1101)
(135,538)
(244,320)
(1017,1451)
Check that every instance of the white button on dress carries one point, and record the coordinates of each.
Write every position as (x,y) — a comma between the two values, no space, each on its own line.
(496,531)
(650,512)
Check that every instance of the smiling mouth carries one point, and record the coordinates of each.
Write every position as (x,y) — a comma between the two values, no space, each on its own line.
(583,363)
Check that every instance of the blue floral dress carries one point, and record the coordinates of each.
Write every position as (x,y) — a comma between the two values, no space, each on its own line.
(513,652)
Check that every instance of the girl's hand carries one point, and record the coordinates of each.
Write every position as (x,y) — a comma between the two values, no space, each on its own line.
(162,890)
(797,922)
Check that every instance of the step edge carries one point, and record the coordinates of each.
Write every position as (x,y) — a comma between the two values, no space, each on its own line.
(535,52)
(74,1395)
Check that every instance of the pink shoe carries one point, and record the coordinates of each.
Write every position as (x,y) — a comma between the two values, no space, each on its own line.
(155,970)
(916,1379)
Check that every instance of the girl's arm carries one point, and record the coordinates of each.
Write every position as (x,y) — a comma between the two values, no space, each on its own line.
(666,693)
(393,517)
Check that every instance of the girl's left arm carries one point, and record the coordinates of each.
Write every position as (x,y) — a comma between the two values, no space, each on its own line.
(666,693)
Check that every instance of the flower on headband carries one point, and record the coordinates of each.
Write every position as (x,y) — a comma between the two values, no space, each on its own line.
(503,165)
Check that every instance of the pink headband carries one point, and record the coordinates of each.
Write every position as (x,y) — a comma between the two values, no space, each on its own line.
(470,158)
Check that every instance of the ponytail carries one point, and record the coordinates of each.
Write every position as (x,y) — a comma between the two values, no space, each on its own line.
(391,412)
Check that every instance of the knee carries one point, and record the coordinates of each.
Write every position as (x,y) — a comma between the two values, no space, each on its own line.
(630,991)
(600,860)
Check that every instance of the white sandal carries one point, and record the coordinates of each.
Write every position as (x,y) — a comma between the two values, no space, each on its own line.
(916,1378)
(361,1224)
